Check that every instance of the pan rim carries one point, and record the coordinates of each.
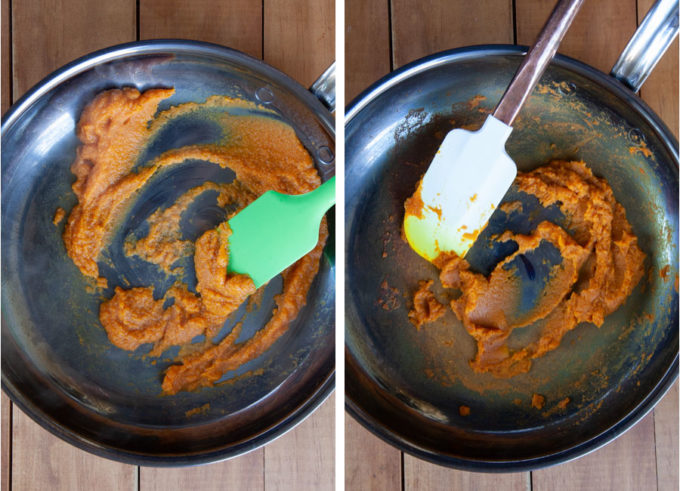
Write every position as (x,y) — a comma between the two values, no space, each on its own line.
(311,401)
(128,457)
(607,436)
(664,382)
(443,57)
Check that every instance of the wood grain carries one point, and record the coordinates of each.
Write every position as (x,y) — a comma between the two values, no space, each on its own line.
(46,35)
(304,457)
(237,24)
(660,90)
(5,100)
(233,23)
(299,37)
(367,44)
(666,439)
(627,463)
(419,474)
(370,463)
(597,36)
(50,33)
(418,29)
(5,73)
(244,472)
(43,461)
(6,429)
(423,28)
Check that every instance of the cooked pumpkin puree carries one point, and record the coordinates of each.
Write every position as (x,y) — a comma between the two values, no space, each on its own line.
(114,130)
(601,264)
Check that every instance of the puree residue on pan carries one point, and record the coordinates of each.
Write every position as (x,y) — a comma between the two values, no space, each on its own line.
(601,264)
(115,130)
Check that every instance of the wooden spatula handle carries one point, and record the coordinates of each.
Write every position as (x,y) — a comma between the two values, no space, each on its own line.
(536,60)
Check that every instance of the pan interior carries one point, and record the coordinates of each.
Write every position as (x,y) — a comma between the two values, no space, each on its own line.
(409,384)
(56,355)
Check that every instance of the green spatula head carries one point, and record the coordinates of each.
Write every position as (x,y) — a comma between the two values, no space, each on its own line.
(276,230)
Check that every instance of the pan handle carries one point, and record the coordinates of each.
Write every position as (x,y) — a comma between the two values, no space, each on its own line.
(648,44)
(324,88)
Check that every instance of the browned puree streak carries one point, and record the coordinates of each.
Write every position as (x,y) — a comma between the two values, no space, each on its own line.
(426,308)
(203,369)
(414,204)
(59,215)
(537,401)
(163,245)
(264,153)
(601,264)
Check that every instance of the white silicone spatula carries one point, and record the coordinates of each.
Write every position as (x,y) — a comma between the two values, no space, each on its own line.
(471,171)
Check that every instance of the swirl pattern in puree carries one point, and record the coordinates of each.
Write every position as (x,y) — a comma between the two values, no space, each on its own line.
(264,153)
(600,266)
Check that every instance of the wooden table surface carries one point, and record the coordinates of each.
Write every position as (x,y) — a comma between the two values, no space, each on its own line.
(38,36)
(382,35)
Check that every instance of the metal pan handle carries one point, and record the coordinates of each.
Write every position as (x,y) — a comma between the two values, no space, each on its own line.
(324,88)
(648,44)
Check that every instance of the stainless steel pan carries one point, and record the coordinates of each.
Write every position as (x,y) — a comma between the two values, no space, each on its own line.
(57,363)
(407,386)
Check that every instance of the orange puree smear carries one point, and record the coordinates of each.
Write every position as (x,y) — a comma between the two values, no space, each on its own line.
(426,308)
(59,215)
(264,153)
(601,264)
(414,205)
(163,245)
(537,401)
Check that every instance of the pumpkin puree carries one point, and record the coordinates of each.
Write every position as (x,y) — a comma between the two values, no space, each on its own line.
(601,264)
(115,129)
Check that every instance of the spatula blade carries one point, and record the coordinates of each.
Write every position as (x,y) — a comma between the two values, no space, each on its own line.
(269,235)
(276,230)
(466,181)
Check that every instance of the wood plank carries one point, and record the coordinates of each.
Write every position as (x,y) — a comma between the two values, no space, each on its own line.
(299,37)
(43,461)
(5,90)
(50,33)
(660,90)
(46,35)
(423,28)
(420,29)
(304,457)
(370,463)
(367,44)
(666,433)
(6,480)
(234,23)
(5,101)
(627,463)
(244,472)
(598,35)
(419,474)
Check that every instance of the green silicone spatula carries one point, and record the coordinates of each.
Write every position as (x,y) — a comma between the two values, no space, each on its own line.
(276,230)
(471,172)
